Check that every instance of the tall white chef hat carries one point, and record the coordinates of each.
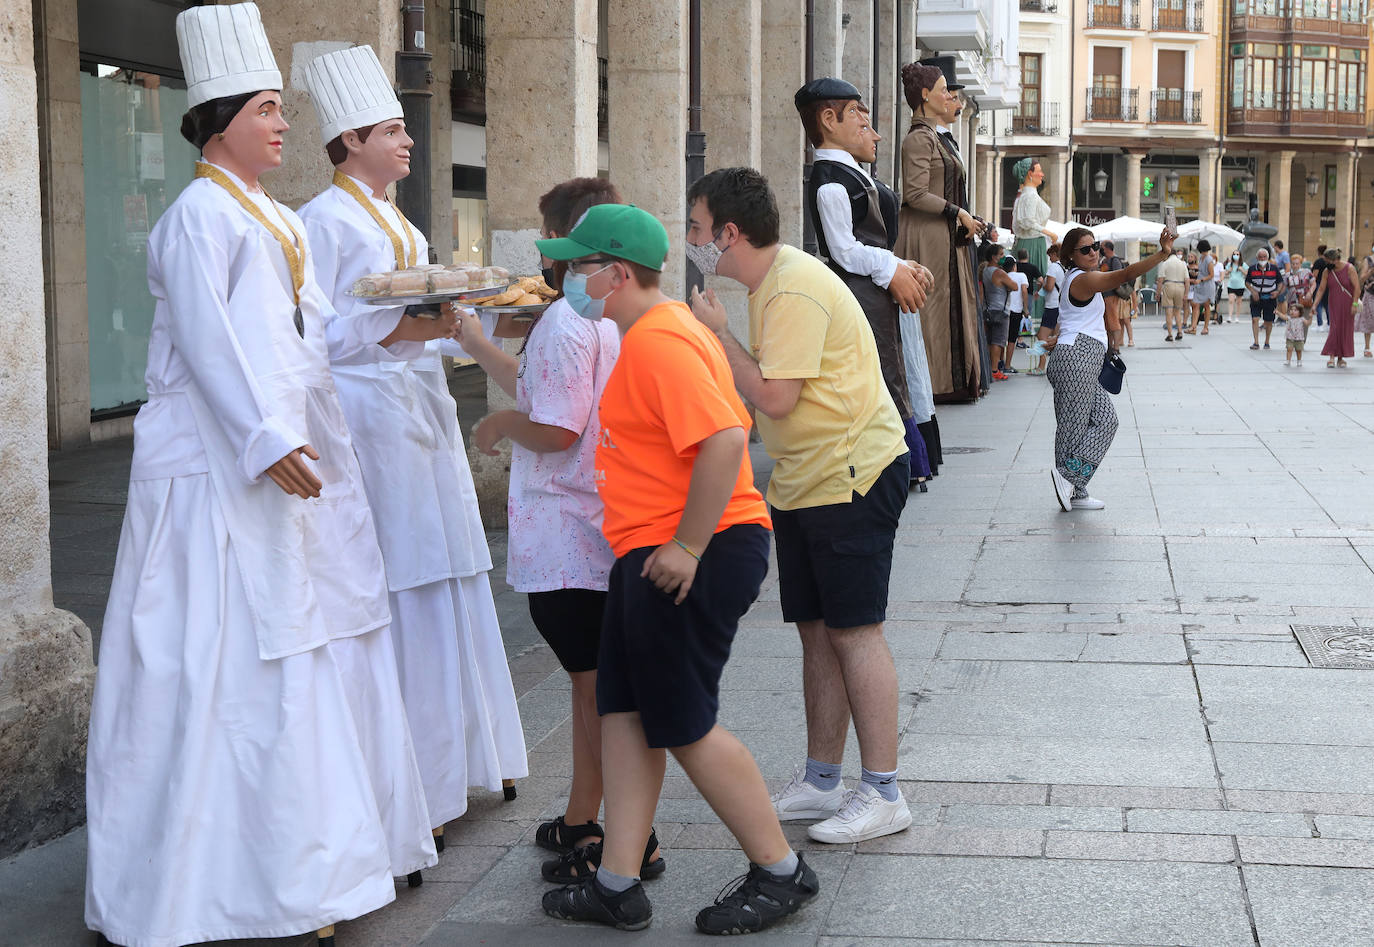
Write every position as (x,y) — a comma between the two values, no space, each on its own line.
(224,51)
(350,90)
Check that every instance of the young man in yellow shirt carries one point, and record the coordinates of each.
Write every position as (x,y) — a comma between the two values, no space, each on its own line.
(836,494)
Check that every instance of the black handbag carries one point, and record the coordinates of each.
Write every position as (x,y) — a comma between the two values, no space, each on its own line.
(1113,373)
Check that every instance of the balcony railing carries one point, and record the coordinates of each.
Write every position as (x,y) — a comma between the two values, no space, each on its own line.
(603,97)
(1039,121)
(1122,15)
(1175,106)
(1039,6)
(468,90)
(1107,104)
(1170,19)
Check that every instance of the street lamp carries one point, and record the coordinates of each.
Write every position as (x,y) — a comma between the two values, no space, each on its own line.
(1171,182)
(1247,183)
(1100,182)
(1312,182)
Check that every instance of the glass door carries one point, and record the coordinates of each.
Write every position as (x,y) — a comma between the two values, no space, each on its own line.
(136,163)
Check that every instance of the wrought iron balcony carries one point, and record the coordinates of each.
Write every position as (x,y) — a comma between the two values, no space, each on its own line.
(1118,14)
(1041,121)
(1039,6)
(1169,19)
(1175,106)
(468,89)
(1109,104)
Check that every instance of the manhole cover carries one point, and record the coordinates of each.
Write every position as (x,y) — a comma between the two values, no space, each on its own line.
(965,450)
(1337,646)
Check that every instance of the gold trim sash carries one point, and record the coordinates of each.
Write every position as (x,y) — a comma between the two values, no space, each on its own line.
(403,260)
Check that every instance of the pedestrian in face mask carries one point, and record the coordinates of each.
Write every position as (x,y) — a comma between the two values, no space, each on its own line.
(690,536)
(838,488)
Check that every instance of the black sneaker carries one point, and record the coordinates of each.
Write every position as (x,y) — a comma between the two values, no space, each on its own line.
(571,867)
(588,901)
(757,900)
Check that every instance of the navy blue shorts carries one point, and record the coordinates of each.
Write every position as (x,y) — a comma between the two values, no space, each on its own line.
(664,661)
(1050,320)
(834,561)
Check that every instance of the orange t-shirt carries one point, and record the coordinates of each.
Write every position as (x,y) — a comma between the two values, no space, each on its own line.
(670,390)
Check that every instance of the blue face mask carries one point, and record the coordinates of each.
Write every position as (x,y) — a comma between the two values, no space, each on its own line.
(575,292)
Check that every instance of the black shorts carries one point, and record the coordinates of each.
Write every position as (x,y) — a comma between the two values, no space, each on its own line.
(570,621)
(663,661)
(1236,292)
(1050,320)
(834,561)
(1263,309)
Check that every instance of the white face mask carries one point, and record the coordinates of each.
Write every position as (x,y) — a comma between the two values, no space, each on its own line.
(707,256)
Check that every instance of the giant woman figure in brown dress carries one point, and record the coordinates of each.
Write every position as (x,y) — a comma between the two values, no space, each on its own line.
(934,228)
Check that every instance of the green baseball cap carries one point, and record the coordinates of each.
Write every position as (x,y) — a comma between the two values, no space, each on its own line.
(618,230)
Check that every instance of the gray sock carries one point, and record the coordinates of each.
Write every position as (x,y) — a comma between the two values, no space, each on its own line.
(824,776)
(885,783)
(785,868)
(612,882)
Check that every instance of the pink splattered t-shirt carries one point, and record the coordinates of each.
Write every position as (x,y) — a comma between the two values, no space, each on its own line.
(554,511)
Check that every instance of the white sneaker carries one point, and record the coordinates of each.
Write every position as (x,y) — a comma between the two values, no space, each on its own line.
(1063,490)
(864,815)
(801,800)
(1086,503)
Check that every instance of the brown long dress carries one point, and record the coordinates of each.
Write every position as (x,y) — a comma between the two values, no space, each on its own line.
(933,180)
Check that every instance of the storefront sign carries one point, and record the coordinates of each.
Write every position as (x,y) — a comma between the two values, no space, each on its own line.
(1328,219)
(1092,216)
(151,162)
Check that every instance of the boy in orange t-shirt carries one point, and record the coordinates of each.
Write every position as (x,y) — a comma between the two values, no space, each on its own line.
(690,533)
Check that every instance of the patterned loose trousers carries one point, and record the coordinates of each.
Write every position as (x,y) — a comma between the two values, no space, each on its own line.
(1084,416)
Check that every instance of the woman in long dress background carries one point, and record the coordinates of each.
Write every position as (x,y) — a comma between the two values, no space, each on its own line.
(1029,217)
(1337,290)
(934,208)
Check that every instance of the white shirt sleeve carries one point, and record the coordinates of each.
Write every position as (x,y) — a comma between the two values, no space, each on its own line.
(837,223)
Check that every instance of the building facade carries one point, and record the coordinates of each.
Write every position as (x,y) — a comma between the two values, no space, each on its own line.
(1297,82)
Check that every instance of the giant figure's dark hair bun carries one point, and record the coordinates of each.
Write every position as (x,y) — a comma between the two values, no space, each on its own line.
(210,118)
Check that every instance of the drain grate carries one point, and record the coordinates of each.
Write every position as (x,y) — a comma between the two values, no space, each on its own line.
(1337,646)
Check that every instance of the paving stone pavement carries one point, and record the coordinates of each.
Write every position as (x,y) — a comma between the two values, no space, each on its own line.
(1109,733)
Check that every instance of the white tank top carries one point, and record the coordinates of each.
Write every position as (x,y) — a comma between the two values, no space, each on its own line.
(1075,319)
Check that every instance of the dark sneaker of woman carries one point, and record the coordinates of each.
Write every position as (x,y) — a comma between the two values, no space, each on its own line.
(589,901)
(558,836)
(759,899)
(571,867)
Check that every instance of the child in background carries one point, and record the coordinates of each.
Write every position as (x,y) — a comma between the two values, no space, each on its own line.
(1300,287)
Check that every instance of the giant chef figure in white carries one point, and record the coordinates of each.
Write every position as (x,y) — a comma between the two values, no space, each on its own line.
(231,790)
(454,677)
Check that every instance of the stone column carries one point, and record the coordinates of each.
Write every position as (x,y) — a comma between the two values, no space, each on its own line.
(858,46)
(1131,249)
(884,98)
(439,25)
(829,37)
(1207,185)
(730,97)
(783,72)
(1280,198)
(648,112)
(1345,222)
(983,203)
(58,64)
(46,673)
(1059,170)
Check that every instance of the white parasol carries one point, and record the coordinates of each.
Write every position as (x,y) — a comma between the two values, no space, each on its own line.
(1128,228)
(1215,234)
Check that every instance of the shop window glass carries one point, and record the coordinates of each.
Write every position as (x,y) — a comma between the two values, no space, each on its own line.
(135,165)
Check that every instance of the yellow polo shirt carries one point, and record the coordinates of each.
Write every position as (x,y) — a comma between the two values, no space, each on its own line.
(844,431)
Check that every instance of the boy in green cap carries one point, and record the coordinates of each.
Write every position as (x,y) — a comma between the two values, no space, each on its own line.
(690,533)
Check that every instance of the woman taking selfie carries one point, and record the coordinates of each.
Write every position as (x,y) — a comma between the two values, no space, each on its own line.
(1085,421)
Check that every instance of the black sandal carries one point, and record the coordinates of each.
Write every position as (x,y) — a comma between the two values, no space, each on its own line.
(571,867)
(558,836)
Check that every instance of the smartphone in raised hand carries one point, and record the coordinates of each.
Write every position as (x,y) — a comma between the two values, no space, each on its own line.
(1170,219)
